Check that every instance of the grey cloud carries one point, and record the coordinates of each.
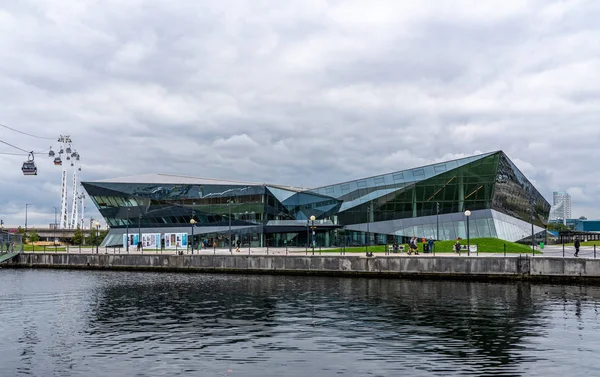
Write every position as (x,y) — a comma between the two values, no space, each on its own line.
(303,93)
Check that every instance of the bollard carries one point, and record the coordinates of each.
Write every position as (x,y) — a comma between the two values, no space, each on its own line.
(563,249)
(477,248)
(504,249)
(594,251)
(433,250)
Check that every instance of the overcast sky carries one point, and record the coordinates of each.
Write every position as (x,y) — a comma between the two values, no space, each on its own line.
(303,93)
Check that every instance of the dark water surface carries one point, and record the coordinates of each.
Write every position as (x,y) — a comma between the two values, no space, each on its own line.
(87,323)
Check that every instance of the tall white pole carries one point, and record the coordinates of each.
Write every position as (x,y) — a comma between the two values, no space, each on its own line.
(63,198)
(81,199)
(73,222)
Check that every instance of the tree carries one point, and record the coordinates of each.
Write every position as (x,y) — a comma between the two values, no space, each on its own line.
(20,230)
(558,227)
(34,236)
(77,238)
(93,240)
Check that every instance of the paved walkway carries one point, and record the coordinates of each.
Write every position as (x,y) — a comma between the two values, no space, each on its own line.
(549,251)
(6,256)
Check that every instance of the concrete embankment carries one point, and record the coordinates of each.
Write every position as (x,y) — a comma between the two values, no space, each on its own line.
(522,268)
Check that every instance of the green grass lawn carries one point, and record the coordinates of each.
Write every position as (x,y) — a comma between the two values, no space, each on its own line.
(485,245)
(587,243)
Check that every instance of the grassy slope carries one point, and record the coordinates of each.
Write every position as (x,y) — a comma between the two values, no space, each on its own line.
(486,245)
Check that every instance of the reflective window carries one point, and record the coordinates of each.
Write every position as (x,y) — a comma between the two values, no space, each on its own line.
(440,168)
(417,173)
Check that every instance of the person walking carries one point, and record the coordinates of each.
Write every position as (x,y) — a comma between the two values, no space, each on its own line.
(457,247)
(577,246)
(430,244)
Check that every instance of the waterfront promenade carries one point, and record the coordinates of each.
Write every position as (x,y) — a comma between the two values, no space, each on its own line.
(548,251)
(297,262)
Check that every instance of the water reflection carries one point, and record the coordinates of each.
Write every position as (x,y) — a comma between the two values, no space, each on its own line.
(109,323)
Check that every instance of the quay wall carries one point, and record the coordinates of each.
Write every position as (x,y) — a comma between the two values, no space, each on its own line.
(457,267)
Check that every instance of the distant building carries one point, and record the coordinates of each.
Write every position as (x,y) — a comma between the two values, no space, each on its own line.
(561,206)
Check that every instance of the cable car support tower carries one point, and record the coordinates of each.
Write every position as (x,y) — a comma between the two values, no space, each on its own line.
(72,158)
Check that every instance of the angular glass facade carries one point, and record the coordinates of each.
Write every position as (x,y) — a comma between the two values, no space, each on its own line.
(424,201)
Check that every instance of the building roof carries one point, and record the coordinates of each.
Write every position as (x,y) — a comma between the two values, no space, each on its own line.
(174,179)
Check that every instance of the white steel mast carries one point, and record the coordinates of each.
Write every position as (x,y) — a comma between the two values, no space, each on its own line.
(64,140)
(81,202)
(73,221)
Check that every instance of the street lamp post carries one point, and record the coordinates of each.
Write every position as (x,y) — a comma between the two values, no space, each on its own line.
(55,225)
(468,214)
(312,219)
(192,223)
(97,224)
(229,235)
(437,220)
(531,216)
(140,233)
(368,233)
(127,240)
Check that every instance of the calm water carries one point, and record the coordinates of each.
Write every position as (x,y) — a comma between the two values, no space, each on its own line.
(81,323)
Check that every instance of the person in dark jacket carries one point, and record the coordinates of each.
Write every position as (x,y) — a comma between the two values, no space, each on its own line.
(457,246)
(577,246)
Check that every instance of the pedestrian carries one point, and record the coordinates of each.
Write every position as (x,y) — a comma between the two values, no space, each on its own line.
(412,245)
(430,244)
(577,245)
(457,247)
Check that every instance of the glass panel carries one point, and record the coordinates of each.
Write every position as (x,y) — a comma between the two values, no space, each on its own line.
(417,173)
(440,168)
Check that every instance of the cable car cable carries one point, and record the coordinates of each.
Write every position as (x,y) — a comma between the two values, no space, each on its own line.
(23,154)
(25,133)
(14,146)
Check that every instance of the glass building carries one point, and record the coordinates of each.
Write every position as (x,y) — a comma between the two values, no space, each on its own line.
(430,201)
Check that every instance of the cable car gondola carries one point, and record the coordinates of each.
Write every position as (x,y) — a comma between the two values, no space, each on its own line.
(29,167)
(58,161)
